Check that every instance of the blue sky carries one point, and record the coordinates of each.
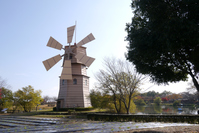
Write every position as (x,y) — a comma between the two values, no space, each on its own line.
(26,26)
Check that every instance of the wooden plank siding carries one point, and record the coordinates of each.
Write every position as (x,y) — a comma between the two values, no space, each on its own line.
(83,70)
(76,69)
(80,49)
(87,102)
(70,94)
(62,92)
(75,95)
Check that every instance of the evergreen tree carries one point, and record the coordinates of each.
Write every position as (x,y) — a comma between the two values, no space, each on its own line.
(163,39)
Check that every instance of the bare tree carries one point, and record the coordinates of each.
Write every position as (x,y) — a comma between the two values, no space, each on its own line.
(54,99)
(191,88)
(3,83)
(120,79)
(105,83)
(46,99)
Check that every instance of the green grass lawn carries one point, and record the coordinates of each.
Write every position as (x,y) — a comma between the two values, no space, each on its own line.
(41,113)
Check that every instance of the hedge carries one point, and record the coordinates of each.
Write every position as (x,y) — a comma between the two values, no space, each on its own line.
(193,119)
(76,109)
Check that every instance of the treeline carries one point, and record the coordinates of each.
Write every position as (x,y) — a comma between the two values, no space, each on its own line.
(100,99)
(50,101)
(23,99)
(169,97)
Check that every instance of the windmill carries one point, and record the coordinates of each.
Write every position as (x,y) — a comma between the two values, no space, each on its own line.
(74,82)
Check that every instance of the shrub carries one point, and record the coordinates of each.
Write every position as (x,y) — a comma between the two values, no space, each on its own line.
(140,102)
(76,109)
(157,100)
(164,99)
(176,103)
(123,110)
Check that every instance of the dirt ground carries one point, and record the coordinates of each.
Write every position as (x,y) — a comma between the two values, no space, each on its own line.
(177,129)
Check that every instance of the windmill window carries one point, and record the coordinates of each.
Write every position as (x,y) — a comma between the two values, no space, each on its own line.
(86,82)
(74,81)
(62,82)
(71,57)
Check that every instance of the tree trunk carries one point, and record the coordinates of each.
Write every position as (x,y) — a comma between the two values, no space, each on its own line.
(127,111)
(114,101)
(195,82)
(129,104)
(120,105)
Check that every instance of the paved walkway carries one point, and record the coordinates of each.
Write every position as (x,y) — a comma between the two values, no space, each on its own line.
(10,124)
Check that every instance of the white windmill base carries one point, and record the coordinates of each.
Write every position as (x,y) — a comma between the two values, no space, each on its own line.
(74,93)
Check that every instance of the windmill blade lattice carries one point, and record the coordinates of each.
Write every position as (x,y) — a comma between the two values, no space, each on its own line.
(49,63)
(66,72)
(54,44)
(70,32)
(87,39)
(86,60)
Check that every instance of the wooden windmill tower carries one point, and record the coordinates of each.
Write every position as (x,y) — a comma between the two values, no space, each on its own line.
(74,82)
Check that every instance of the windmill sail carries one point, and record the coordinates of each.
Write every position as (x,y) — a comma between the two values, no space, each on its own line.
(51,62)
(54,44)
(87,39)
(86,60)
(70,32)
(66,72)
